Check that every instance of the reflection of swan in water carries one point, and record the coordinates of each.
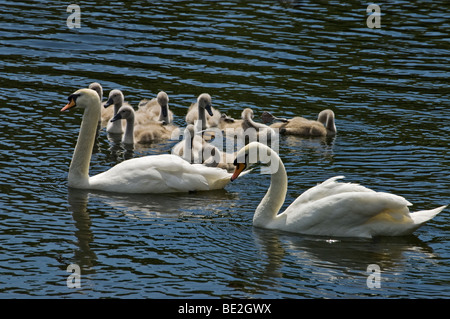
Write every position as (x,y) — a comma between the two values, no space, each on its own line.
(296,147)
(145,206)
(333,262)
(83,256)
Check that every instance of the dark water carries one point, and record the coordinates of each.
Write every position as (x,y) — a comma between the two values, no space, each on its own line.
(389,89)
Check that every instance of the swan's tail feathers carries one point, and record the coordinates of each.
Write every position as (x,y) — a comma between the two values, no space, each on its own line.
(423,216)
(332,179)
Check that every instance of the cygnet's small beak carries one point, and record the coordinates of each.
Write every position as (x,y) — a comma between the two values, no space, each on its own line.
(116,117)
(108,103)
(209,110)
(164,111)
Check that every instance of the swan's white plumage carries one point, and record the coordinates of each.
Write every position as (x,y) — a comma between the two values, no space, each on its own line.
(159,174)
(335,209)
(149,174)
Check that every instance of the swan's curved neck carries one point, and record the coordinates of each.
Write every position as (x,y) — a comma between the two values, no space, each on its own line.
(187,151)
(327,119)
(79,167)
(253,124)
(272,202)
(128,136)
(329,123)
(202,118)
(117,125)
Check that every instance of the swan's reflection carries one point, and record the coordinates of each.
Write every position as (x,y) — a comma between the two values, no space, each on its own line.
(136,206)
(310,259)
(78,200)
(164,205)
(261,264)
(349,255)
(296,146)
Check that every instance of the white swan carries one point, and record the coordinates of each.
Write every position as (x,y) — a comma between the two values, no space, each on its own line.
(146,133)
(324,126)
(149,174)
(197,112)
(330,208)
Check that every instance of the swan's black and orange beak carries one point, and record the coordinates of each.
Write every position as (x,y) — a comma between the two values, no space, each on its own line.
(239,168)
(72,102)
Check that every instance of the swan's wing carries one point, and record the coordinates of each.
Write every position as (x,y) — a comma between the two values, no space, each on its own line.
(217,178)
(347,209)
(327,188)
(352,213)
(157,174)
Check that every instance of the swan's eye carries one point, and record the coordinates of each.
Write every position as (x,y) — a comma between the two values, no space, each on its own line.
(238,160)
(73,97)
(72,102)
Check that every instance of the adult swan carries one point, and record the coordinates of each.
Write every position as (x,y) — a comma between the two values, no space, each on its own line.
(149,174)
(330,208)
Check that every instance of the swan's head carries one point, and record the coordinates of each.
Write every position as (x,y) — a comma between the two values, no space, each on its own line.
(189,131)
(163,101)
(267,117)
(82,98)
(226,118)
(162,98)
(97,88)
(124,113)
(247,114)
(204,101)
(253,153)
(326,117)
(115,97)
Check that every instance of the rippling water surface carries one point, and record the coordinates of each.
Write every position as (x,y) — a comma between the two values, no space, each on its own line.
(388,88)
